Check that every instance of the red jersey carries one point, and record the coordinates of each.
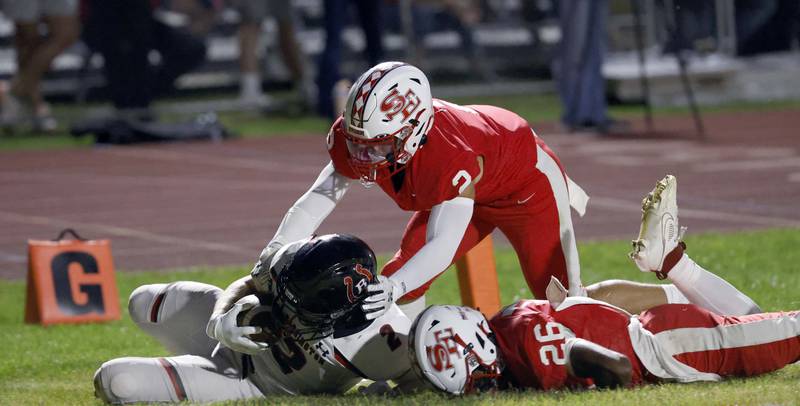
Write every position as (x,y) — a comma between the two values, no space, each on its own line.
(449,158)
(531,336)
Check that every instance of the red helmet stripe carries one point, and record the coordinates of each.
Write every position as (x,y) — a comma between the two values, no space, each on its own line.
(364,272)
(360,101)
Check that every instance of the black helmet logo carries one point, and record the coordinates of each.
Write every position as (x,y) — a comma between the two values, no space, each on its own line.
(355,290)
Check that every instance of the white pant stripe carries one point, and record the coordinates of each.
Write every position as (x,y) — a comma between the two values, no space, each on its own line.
(683,340)
(550,168)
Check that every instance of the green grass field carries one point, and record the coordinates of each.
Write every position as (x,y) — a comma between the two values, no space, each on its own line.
(54,365)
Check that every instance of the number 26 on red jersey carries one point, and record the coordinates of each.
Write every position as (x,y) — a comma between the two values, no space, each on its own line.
(551,337)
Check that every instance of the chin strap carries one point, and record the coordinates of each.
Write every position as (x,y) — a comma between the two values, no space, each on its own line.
(671,259)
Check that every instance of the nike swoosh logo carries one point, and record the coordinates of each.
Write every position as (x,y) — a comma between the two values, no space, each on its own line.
(526,199)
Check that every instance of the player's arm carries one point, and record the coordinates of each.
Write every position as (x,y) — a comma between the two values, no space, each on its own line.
(236,290)
(607,368)
(302,219)
(446,226)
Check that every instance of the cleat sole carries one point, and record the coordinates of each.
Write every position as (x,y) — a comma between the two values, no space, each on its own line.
(648,203)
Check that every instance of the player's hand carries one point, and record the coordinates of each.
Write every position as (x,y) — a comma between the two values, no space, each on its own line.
(381,296)
(261,273)
(226,330)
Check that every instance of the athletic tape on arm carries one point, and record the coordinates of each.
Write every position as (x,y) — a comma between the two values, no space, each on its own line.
(446,226)
(308,212)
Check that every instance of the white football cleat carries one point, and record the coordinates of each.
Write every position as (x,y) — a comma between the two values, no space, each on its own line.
(660,233)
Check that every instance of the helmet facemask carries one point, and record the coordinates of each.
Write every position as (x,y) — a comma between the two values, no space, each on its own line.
(484,377)
(300,324)
(381,157)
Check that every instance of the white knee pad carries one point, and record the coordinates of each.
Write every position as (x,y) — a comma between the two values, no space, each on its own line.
(160,301)
(127,380)
(141,301)
(171,379)
(100,390)
(176,314)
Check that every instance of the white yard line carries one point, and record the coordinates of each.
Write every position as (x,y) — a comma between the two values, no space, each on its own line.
(749,165)
(727,217)
(265,164)
(12,257)
(114,231)
(159,180)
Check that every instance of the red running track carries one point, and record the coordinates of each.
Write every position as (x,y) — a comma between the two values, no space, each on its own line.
(179,205)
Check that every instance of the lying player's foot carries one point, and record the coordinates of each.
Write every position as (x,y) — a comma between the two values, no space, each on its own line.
(660,233)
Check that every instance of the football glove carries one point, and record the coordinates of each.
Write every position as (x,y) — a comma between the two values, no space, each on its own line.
(226,330)
(381,296)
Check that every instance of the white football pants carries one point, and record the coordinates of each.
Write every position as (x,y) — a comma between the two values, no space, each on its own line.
(176,315)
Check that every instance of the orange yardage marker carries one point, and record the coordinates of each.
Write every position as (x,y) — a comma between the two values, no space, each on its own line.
(70,281)
(477,278)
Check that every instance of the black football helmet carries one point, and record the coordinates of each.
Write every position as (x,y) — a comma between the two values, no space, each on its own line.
(322,285)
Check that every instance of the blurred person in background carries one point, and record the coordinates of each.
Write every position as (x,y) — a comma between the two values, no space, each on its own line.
(201,15)
(463,16)
(766,26)
(35,52)
(125,32)
(336,12)
(252,13)
(578,68)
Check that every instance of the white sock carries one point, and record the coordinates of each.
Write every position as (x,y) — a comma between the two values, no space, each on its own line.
(413,309)
(709,291)
(674,295)
(250,84)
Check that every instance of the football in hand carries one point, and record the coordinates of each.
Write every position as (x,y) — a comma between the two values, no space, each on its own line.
(259,316)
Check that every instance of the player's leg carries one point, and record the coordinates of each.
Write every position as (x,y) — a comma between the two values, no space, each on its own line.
(708,290)
(281,11)
(540,230)
(689,279)
(252,14)
(635,297)
(725,345)
(328,64)
(659,249)
(176,314)
(413,240)
(172,379)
